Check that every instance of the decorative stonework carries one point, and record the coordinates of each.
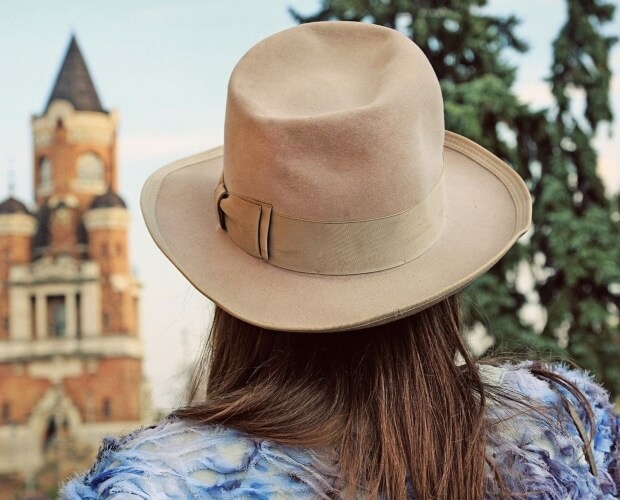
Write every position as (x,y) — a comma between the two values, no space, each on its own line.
(55,369)
(49,270)
(109,346)
(93,187)
(17,225)
(83,127)
(107,218)
(69,200)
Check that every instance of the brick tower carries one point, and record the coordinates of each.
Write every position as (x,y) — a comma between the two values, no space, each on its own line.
(70,353)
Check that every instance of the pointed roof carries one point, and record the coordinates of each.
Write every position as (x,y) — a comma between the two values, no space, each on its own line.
(74,83)
(108,200)
(13,206)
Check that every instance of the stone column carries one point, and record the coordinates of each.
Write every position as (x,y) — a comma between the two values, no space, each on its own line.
(20,313)
(71,314)
(90,300)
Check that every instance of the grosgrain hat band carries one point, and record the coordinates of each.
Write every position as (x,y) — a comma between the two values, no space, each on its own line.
(331,248)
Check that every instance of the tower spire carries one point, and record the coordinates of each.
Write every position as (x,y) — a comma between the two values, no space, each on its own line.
(74,83)
(11,182)
(10,175)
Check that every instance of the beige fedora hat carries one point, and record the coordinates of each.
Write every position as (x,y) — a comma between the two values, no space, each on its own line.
(338,200)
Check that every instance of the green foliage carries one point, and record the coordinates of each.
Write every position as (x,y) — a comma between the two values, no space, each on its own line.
(573,253)
(581,58)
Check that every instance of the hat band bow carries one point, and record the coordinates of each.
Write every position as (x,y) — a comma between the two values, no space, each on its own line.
(245,220)
(331,248)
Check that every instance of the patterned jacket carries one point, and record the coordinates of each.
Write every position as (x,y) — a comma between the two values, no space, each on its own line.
(544,457)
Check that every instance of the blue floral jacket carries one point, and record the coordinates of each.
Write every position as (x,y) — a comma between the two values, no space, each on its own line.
(179,460)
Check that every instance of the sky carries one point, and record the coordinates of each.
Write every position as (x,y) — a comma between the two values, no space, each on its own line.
(164,65)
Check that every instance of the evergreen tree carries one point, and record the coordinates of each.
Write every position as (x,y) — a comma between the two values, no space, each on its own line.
(573,252)
(578,229)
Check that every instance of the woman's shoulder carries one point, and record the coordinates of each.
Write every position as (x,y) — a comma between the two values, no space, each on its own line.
(540,438)
(178,459)
(539,443)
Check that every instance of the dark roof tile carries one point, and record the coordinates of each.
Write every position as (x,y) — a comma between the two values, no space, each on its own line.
(107,200)
(13,206)
(74,83)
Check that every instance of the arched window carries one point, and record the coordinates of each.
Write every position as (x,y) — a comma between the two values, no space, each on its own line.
(90,168)
(6,412)
(56,316)
(50,433)
(107,408)
(46,172)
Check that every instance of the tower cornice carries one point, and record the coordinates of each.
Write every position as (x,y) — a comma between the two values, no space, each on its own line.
(106,218)
(17,225)
(83,127)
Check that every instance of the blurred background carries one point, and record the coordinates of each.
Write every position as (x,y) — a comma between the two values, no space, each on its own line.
(98,330)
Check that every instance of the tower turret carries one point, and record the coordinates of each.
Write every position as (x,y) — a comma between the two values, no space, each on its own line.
(106,225)
(17,227)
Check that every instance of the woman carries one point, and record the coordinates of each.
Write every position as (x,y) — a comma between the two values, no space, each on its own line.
(333,231)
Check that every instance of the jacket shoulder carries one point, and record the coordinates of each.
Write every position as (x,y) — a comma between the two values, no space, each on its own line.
(177,459)
(539,440)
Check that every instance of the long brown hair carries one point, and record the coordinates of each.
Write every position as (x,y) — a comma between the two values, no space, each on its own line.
(389,400)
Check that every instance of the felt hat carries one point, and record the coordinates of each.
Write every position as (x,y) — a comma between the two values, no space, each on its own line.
(338,200)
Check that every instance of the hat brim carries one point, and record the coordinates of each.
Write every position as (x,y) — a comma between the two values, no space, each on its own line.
(488,207)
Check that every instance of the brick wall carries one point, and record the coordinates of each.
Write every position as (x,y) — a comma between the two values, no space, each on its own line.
(108,247)
(20,392)
(14,249)
(63,156)
(117,381)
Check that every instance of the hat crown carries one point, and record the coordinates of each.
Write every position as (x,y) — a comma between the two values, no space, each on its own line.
(334,122)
